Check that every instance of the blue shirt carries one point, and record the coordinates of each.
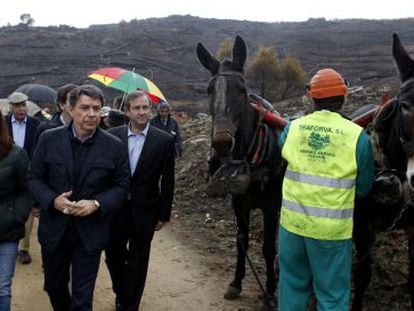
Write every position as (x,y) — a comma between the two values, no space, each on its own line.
(364,158)
(135,143)
(19,131)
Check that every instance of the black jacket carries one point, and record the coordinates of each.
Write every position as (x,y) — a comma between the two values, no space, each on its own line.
(104,177)
(15,200)
(171,127)
(152,184)
(31,128)
(47,125)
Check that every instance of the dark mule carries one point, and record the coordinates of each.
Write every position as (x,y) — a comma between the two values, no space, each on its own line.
(394,132)
(233,133)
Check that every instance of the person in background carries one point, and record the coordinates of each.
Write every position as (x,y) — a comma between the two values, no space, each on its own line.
(165,122)
(15,205)
(79,176)
(116,103)
(150,152)
(23,131)
(116,118)
(111,118)
(63,116)
(103,124)
(329,163)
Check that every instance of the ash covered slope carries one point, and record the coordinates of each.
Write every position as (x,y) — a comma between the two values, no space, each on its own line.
(164,49)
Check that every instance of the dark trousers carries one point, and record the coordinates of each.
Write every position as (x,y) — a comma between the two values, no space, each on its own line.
(127,258)
(57,264)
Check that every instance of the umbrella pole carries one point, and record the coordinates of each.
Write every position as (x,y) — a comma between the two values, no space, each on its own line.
(121,107)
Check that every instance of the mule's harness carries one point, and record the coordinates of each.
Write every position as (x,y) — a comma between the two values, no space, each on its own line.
(407,146)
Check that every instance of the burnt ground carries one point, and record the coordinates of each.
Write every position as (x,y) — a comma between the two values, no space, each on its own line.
(163,50)
(208,224)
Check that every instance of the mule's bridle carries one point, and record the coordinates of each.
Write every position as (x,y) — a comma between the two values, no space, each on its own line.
(258,145)
(408,145)
(229,73)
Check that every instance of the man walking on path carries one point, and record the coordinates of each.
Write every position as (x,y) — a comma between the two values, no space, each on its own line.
(329,162)
(80,177)
(150,153)
(23,129)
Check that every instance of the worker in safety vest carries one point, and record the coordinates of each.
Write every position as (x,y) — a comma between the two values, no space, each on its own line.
(329,162)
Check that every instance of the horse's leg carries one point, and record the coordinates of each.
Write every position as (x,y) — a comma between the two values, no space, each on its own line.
(273,193)
(242,212)
(364,238)
(410,236)
(270,221)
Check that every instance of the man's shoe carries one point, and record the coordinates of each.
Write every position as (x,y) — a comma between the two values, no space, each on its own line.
(24,257)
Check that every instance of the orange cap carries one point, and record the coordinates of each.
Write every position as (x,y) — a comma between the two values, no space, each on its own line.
(327,83)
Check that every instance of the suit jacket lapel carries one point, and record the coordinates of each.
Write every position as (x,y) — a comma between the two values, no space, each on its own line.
(124,139)
(29,130)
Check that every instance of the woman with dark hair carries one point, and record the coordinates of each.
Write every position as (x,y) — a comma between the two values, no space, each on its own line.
(15,205)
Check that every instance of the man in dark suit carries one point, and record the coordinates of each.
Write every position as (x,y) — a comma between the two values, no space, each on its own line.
(23,129)
(150,152)
(165,122)
(79,176)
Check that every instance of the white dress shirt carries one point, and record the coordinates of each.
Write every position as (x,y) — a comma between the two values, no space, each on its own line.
(135,143)
(19,131)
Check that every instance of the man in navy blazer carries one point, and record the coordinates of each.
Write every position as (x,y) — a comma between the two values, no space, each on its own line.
(150,153)
(21,126)
(79,176)
(23,130)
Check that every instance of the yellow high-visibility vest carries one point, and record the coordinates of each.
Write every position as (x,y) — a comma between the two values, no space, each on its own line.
(319,184)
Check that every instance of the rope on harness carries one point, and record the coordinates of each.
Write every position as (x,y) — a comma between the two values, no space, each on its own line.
(259,145)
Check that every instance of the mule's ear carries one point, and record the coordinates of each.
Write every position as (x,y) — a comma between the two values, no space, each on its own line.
(208,61)
(404,61)
(239,53)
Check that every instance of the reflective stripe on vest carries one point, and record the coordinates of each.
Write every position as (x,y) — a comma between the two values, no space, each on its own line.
(317,211)
(320,180)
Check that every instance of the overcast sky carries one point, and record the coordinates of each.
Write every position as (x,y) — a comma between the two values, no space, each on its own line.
(82,13)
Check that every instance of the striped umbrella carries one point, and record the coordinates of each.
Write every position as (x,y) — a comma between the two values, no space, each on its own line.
(127,81)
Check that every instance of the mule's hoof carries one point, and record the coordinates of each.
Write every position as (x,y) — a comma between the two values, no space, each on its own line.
(232,293)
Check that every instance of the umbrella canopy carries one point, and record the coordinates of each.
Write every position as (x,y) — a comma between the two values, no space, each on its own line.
(127,81)
(32,108)
(40,94)
(4,106)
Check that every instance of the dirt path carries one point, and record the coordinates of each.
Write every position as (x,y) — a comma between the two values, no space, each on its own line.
(177,281)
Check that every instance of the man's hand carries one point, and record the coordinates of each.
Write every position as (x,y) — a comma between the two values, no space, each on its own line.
(159,225)
(84,208)
(63,204)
